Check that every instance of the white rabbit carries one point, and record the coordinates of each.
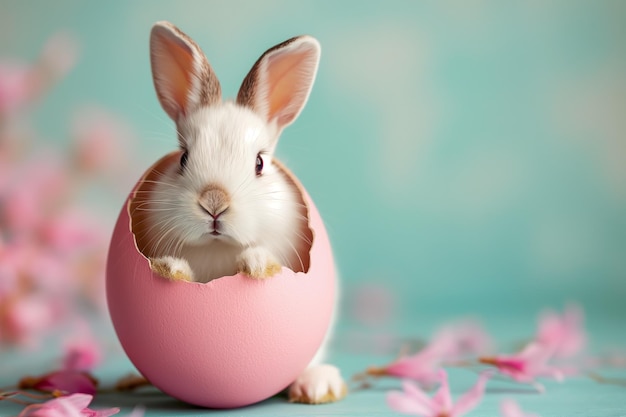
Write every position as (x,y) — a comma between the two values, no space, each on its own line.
(226,207)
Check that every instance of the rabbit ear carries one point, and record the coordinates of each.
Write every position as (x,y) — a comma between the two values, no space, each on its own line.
(279,83)
(182,76)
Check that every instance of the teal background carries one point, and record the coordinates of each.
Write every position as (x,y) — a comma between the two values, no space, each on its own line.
(469,158)
(466,153)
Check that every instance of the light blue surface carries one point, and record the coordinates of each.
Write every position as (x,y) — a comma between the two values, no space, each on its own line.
(468,158)
(579,396)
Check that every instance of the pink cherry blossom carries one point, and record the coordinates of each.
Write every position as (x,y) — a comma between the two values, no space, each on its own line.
(73,230)
(416,402)
(16,87)
(422,367)
(65,381)
(74,405)
(35,191)
(509,408)
(22,317)
(451,342)
(564,333)
(82,352)
(525,366)
(372,304)
(459,340)
(103,143)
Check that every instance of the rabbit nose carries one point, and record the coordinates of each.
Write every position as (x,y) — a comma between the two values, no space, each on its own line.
(214,200)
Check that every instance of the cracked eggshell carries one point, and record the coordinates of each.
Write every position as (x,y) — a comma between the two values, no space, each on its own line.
(227,343)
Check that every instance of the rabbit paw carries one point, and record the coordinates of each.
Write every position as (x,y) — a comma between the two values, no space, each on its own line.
(174,269)
(317,385)
(257,263)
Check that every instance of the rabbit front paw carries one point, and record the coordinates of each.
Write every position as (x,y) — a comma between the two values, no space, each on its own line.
(258,263)
(174,269)
(318,384)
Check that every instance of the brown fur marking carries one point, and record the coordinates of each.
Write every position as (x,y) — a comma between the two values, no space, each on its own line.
(247,92)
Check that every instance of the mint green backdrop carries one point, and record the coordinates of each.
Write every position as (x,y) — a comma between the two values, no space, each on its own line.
(465,153)
(467,157)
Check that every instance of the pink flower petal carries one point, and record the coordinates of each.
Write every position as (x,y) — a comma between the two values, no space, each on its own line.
(74,405)
(457,340)
(82,351)
(406,402)
(412,390)
(442,398)
(564,333)
(509,408)
(525,366)
(70,382)
(15,86)
(471,398)
(422,367)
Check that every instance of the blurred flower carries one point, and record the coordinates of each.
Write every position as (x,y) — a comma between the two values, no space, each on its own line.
(563,333)
(452,342)
(36,190)
(525,366)
(74,405)
(509,408)
(422,367)
(52,250)
(23,317)
(138,411)
(65,381)
(21,83)
(82,352)
(16,87)
(462,339)
(102,142)
(73,230)
(415,402)
(371,304)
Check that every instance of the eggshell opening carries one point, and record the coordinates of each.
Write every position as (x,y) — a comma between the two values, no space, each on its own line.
(227,343)
(140,227)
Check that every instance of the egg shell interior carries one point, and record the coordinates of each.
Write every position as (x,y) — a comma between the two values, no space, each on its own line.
(227,343)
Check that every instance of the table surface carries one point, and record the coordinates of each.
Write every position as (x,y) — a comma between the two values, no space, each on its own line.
(354,349)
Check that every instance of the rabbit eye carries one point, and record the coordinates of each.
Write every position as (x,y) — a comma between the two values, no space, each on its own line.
(259,165)
(183,159)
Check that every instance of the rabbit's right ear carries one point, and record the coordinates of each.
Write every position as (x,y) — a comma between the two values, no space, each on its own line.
(183,78)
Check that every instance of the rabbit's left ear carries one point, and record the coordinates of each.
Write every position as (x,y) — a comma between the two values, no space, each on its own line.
(183,78)
(279,83)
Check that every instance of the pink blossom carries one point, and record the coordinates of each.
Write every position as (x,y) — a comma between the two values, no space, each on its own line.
(102,142)
(565,333)
(525,366)
(422,366)
(372,304)
(24,316)
(451,342)
(415,402)
(36,190)
(82,352)
(74,405)
(509,408)
(458,340)
(66,381)
(16,87)
(73,230)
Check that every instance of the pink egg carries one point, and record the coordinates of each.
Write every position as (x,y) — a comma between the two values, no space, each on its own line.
(227,343)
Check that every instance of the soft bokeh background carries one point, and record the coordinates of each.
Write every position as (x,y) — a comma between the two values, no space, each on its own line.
(467,157)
